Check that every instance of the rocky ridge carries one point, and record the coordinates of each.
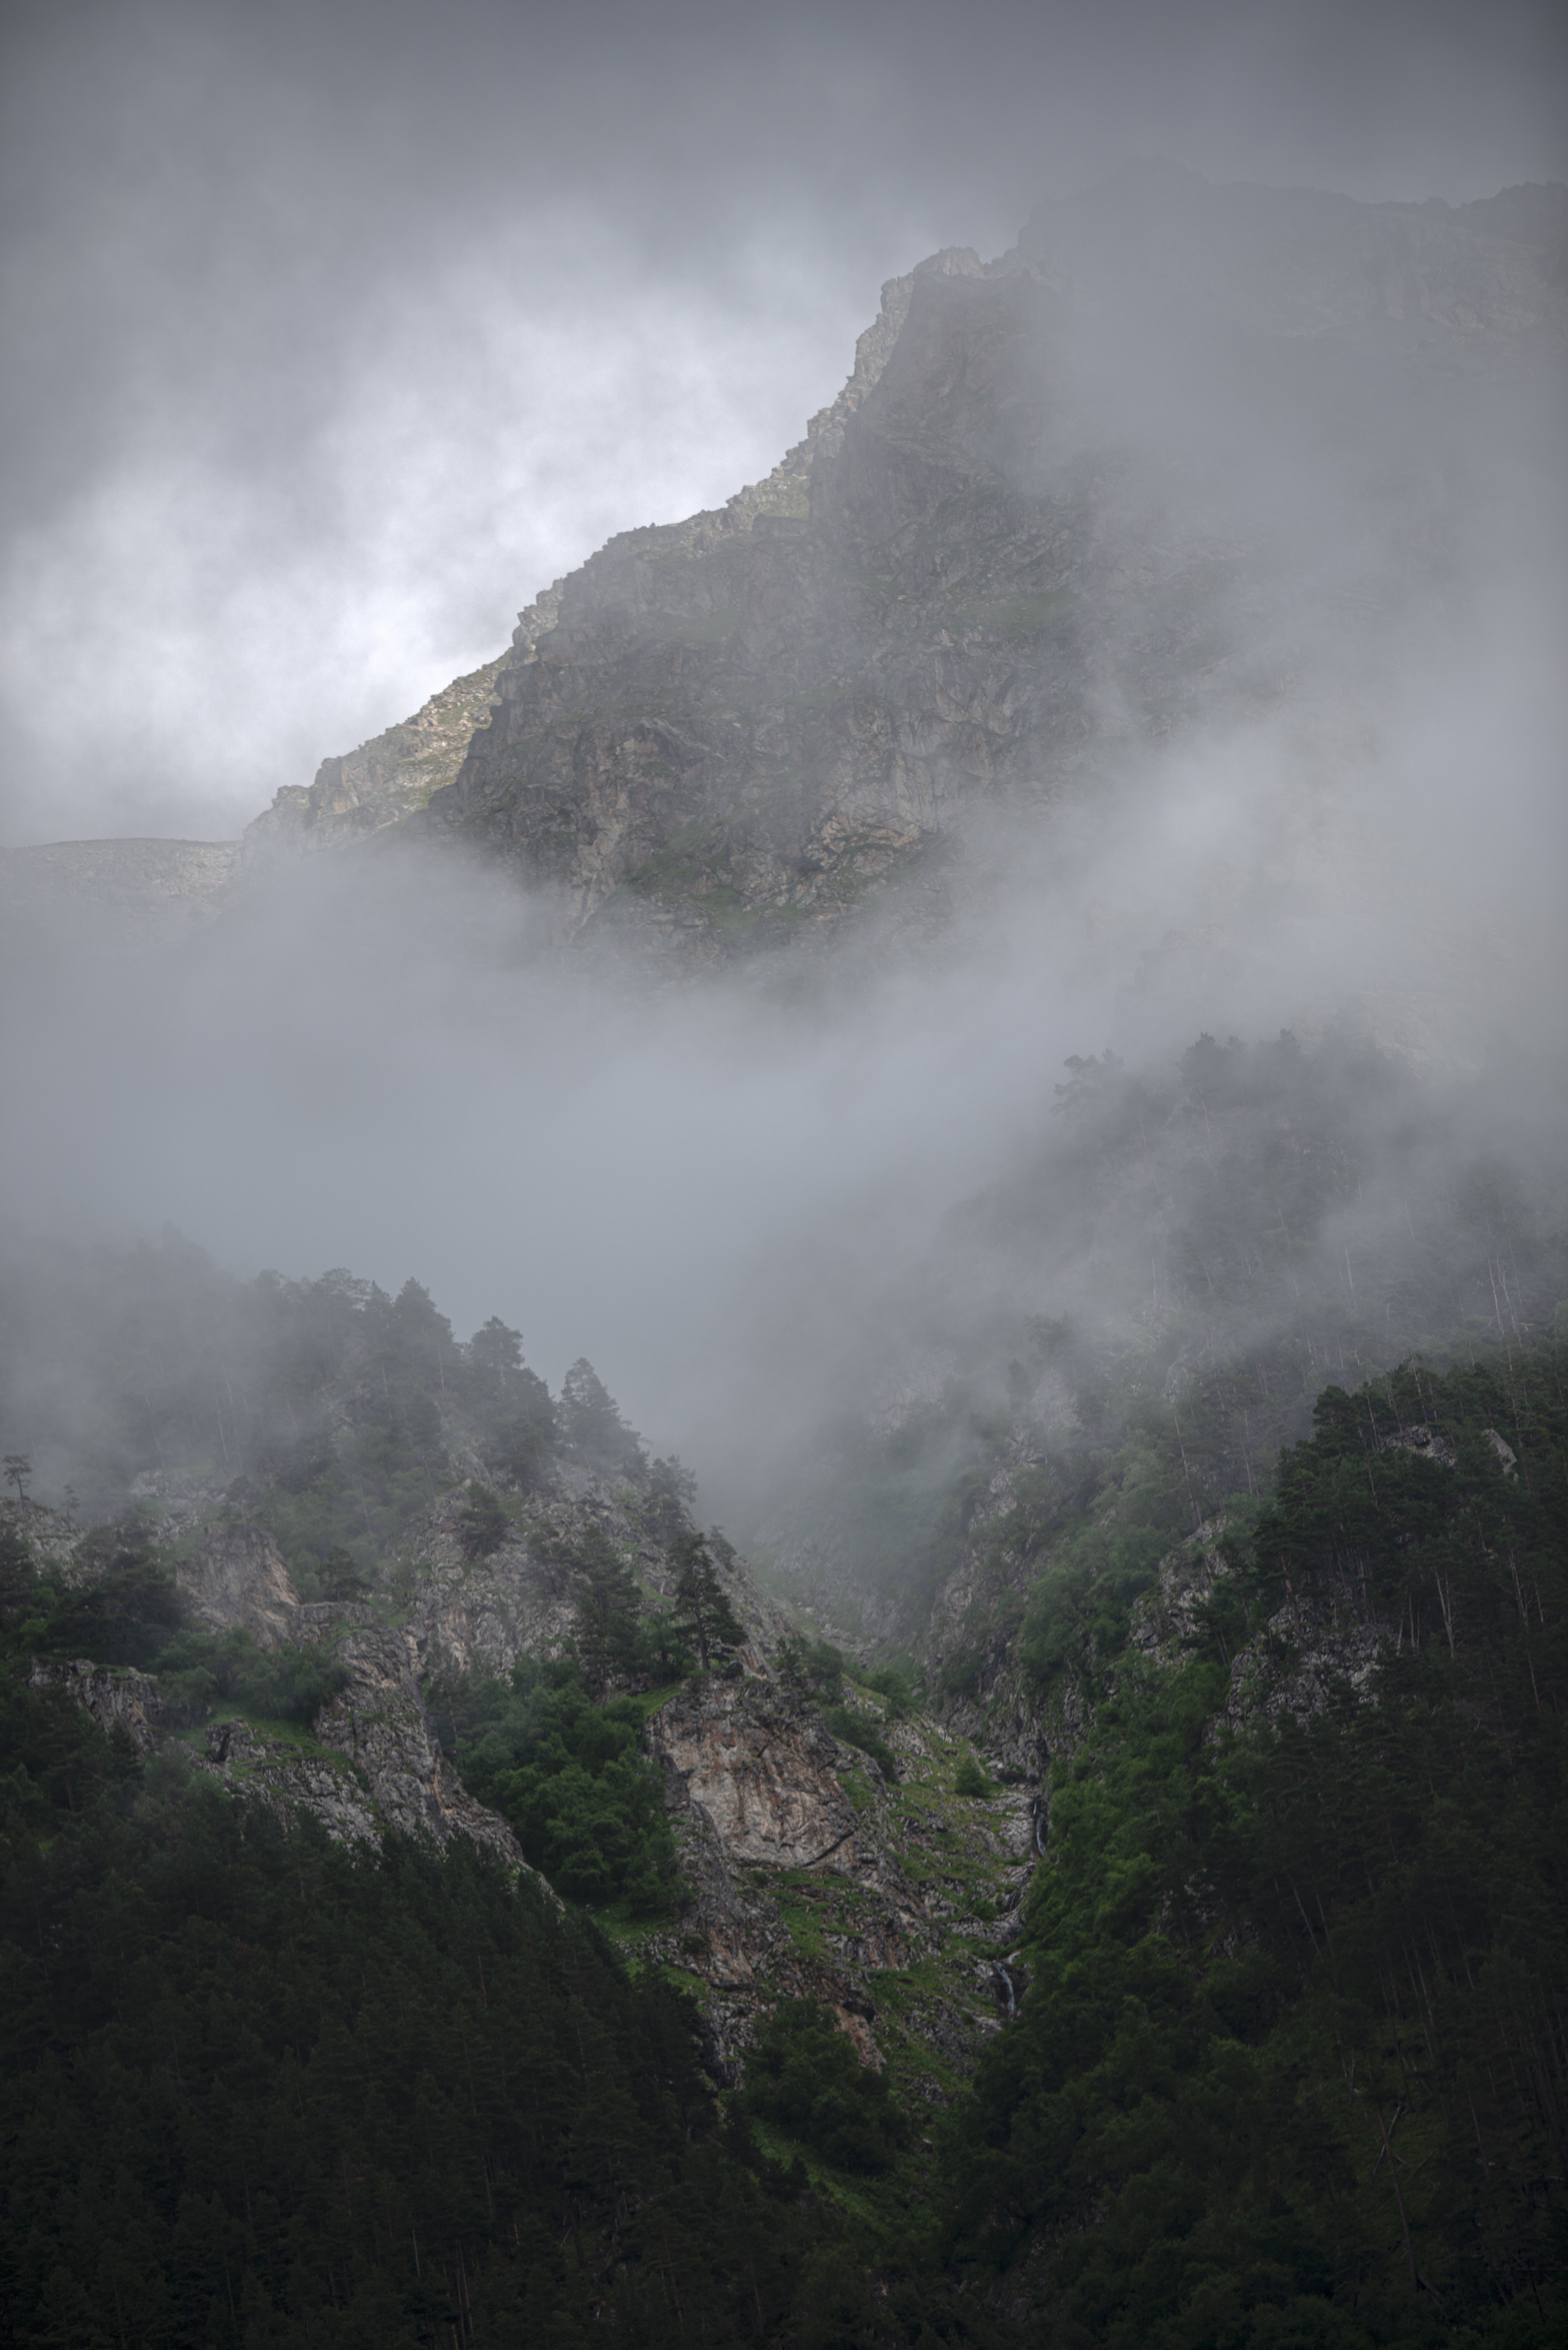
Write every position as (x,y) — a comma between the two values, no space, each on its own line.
(896,1902)
(387,779)
(1038,534)
(988,576)
(879,1877)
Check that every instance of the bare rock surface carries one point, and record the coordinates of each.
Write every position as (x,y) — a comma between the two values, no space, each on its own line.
(524,1600)
(237,1581)
(386,779)
(999,564)
(811,1875)
(379,1721)
(761,1769)
(1035,536)
(119,1700)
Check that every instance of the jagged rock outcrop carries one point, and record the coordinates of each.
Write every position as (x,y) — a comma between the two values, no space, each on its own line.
(1052,520)
(386,779)
(809,1875)
(379,1719)
(373,1760)
(275,1773)
(761,1769)
(524,1598)
(116,1699)
(998,561)
(237,1581)
(1292,1667)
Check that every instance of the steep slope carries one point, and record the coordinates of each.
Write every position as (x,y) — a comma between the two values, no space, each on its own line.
(1180,446)
(1187,457)
(530,1647)
(386,779)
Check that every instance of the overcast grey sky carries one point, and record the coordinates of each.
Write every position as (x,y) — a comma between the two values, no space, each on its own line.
(337,331)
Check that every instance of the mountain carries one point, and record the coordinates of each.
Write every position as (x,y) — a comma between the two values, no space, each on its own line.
(1185,459)
(1083,1865)
(1120,486)
(464,1946)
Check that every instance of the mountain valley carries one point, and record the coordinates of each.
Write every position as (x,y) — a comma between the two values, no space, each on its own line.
(1079,1860)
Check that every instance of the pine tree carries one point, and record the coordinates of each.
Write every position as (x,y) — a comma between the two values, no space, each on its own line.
(706,1614)
(17,1573)
(609,1604)
(593,1427)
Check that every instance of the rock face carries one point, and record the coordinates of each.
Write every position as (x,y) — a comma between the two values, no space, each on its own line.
(373,1762)
(811,1875)
(115,1701)
(1041,528)
(154,894)
(524,1600)
(385,780)
(761,1769)
(380,1723)
(1052,520)
(237,1580)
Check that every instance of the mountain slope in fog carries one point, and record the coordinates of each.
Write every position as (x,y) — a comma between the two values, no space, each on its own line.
(1188,460)
(1184,459)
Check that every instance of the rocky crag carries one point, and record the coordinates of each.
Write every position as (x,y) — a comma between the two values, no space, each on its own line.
(894,1900)
(386,780)
(1054,520)
(152,895)
(985,578)
(892,1895)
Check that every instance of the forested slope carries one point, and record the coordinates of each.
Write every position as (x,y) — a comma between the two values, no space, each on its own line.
(1293,2063)
(1289,2068)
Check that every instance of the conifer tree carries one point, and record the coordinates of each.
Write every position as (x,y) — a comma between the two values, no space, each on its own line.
(706,1614)
(610,1603)
(593,1427)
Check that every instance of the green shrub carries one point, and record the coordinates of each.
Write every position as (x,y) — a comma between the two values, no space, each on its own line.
(201,1670)
(482,1523)
(857,1729)
(805,2075)
(570,1776)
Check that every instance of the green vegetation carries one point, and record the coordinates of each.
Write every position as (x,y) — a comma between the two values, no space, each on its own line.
(325,1412)
(1291,2046)
(1230,1233)
(261,2091)
(125,1615)
(205,1673)
(703,1610)
(816,1669)
(1288,2068)
(570,1776)
(805,2074)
